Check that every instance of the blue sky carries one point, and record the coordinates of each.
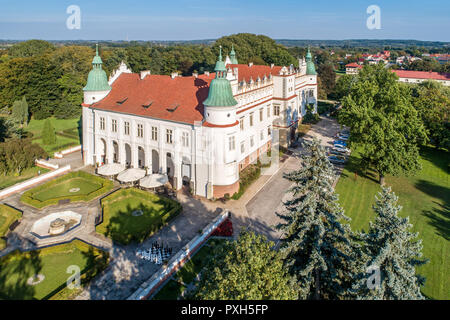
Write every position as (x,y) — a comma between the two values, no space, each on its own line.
(201,19)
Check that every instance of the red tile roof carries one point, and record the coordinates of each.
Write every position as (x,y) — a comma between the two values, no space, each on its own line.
(158,96)
(353,65)
(422,75)
(246,72)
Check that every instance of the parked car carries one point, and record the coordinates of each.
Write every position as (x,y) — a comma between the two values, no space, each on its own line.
(337,153)
(340,143)
(341,149)
(343,137)
(336,160)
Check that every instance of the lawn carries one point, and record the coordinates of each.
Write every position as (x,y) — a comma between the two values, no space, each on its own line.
(67,133)
(425,198)
(7,216)
(11,179)
(132,215)
(74,186)
(52,262)
(174,287)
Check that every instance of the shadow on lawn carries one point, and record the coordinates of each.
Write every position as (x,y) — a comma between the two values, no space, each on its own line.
(438,157)
(439,217)
(125,228)
(23,266)
(356,166)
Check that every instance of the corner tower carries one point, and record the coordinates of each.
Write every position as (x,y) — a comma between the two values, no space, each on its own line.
(220,105)
(310,68)
(97,86)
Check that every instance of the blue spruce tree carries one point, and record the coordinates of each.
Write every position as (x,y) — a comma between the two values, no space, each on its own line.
(392,254)
(317,246)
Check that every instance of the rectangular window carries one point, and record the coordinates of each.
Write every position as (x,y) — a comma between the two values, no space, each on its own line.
(169,136)
(261,135)
(154,133)
(231,143)
(252,141)
(114,126)
(241,124)
(251,119)
(102,123)
(140,130)
(268,131)
(268,111)
(242,146)
(127,128)
(276,110)
(185,139)
(261,114)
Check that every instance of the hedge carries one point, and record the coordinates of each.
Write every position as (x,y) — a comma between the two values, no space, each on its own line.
(10,215)
(27,197)
(146,196)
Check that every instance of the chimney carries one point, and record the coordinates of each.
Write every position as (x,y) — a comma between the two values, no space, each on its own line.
(207,73)
(173,75)
(271,66)
(250,64)
(195,74)
(144,74)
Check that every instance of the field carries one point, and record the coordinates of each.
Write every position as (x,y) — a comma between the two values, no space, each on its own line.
(52,262)
(7,216)
(174,287)
(67,133)
(132,215)
(9,180)
(74,186)
(425,198)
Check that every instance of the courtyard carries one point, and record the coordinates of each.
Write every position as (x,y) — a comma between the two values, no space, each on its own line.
(72,187)
(132,215)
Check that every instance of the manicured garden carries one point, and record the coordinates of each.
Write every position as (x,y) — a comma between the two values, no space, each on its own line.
(132,215)
(74,186)
(17,268)
(425,198)
(176,286)
(67,133)
(8,216)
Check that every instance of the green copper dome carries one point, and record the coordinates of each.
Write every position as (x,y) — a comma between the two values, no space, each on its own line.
(97,79)
(310,68)
(220,93)
(233,56)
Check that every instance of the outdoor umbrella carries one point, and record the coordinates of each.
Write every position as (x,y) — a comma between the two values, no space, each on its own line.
(111,169)
(131,175)
(153,180)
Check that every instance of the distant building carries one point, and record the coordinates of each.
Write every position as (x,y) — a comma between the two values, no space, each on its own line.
(352,68)
(409,76)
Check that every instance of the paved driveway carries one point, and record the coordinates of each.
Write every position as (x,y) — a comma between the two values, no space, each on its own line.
(261,208)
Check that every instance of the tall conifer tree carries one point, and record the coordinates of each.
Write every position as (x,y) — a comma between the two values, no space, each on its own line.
(317,246)
(48,133)
(393,250)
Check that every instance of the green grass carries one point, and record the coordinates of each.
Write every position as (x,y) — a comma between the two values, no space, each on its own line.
(7,216)
(11,179)
(52,192)
(67,133)
(52,262)
(174,287)
(425,198)
(119,223)
(62,189)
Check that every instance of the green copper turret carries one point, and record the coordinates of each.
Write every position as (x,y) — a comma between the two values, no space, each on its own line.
(233,55)
(220,93)
(310,68)
(97,79)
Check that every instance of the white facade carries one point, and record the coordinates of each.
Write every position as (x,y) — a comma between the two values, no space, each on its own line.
(209,154)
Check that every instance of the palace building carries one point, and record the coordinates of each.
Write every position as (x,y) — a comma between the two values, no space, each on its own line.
(200,130)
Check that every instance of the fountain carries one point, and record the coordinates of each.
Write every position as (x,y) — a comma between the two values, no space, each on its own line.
(56,224)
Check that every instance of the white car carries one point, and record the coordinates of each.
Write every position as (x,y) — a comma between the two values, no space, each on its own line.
(341,149)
